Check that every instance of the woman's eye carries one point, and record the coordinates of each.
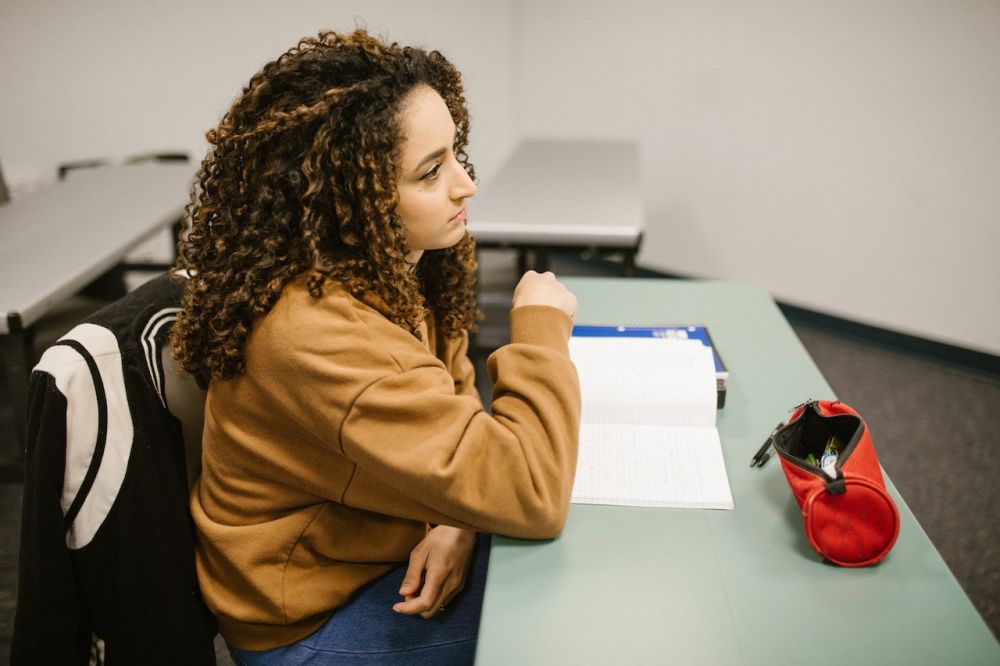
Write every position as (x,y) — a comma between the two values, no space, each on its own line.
(432,174)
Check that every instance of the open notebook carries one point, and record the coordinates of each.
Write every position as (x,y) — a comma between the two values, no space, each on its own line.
(647,432)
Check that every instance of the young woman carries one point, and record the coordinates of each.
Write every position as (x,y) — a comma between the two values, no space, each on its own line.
(348,462)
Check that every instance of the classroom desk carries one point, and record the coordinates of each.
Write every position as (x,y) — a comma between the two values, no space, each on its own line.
(59,239)
(628,585)
(553,195)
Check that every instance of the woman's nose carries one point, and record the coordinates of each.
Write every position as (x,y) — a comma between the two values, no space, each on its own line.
(464,186)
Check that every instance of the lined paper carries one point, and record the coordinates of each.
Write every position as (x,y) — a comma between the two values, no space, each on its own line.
(647,434)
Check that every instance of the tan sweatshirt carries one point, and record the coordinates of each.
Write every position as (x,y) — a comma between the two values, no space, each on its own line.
(325,461)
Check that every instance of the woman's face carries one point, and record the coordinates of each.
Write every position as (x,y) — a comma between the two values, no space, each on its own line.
(432,184)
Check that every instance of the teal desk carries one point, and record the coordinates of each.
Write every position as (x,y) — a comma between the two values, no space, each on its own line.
(656,586)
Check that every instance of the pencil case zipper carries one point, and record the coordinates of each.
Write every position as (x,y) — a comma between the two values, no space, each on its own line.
(834,485)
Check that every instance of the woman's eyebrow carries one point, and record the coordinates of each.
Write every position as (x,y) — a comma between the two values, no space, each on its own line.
(437,154)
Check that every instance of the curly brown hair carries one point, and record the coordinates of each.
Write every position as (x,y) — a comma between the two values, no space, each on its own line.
(300,177)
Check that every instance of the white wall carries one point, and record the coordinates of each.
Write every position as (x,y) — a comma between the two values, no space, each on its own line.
(845,155)
(112,78)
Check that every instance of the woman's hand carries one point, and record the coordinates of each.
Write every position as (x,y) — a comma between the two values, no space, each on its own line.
(544,289)
(437,570)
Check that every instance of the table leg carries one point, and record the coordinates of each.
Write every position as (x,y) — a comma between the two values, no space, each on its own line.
(522,261)
(15,356)
(628,264)
(541,263)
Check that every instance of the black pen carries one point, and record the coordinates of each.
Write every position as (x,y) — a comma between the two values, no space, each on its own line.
(763,454)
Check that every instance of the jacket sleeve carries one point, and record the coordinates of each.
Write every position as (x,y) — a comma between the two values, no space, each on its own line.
(48,626)
(510,472)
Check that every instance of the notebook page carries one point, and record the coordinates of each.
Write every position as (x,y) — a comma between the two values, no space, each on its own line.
(644,465)
(645,381)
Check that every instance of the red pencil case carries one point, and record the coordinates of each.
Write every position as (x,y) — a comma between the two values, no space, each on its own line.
(829,460)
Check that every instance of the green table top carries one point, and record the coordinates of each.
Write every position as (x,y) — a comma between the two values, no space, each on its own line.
(641,585)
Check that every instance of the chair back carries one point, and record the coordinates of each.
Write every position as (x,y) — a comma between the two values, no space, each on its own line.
(186,402)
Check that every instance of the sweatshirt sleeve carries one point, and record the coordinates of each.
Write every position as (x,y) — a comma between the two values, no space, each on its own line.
(461,367)
(510,472)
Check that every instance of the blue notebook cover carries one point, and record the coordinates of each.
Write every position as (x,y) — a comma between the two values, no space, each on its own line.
(680,332)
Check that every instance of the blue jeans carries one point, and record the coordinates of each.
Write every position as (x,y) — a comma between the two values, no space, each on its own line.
(366,630)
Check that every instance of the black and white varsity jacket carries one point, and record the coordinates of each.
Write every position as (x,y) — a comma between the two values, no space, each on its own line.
(107,569)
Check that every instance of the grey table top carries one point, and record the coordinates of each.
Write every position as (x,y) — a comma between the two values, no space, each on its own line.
(56,240)
(642,586)
(552,192)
